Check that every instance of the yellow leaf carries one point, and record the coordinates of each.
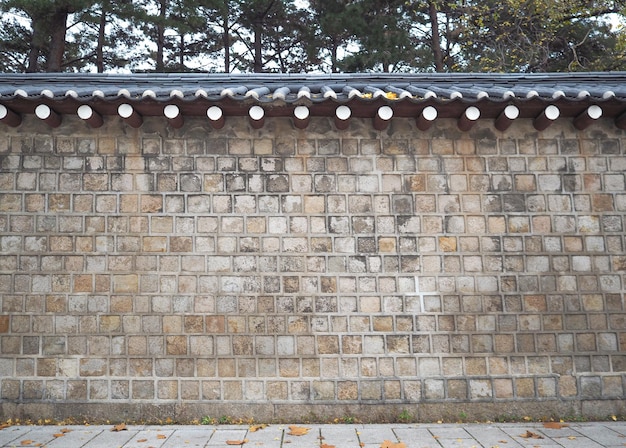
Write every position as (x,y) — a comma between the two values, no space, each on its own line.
(614,418)
(161,436)
(323,445)
(388,444)
(142,440)
(298,430)
(554,425)
(56,436)
(572,437)
(391,95)
(120,427)
(366,95)
(236,442)
(531,435)
(26,442)
(65,430)
(255,428)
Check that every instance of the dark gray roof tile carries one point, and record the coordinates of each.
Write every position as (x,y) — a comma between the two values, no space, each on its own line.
(409,94)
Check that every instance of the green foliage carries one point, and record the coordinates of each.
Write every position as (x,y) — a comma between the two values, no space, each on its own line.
(321,35)
(206,420)
(405,416)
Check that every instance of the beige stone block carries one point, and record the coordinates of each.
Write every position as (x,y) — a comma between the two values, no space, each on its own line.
(151,203)
(176,345)
(314,204)
(288,368)
(496,224)
(525,387)
(328,344)
(110,323)
(95,182)
(167,389)
(503,388)
(93,366)
(154,243)
(125,283)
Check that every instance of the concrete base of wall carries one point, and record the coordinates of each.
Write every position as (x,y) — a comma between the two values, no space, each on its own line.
(313,413)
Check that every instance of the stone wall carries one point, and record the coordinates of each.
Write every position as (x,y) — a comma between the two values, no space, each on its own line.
(284,274)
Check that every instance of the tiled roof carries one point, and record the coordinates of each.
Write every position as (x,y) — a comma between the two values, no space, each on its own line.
(467,97)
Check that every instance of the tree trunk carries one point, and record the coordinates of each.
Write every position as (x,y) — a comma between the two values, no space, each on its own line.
(58,27)
(35,46)
(181,59)
(258,63)
(160,61)
(101,37)
(333,56)
(226,43)
(435,39)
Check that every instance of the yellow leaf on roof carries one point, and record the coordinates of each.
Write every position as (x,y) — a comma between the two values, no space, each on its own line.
(391,95)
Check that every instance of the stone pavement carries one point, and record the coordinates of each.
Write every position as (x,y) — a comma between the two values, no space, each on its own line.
(465,435)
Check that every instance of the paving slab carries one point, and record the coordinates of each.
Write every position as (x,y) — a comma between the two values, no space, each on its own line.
(73,436)
(13,433)
(371,436)
(221,436)
(415,436)
(340,435)
(490,436)
(463,435)
(269,437)
(607,436)
(194,437)
(310,439)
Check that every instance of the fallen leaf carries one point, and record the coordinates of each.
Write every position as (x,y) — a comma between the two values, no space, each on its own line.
(531,435)
(572,437)
(142,440)
(4,425)
(120,427)
(554,425)
(236,442)
(388,444)
(26,442)
(323,445)
(161,436)
(60,434)
(65,430)
(255,428)
(298,430)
